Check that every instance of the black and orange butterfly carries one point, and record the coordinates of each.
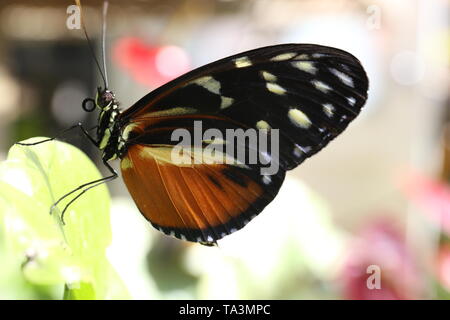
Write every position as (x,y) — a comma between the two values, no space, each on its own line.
(309,92)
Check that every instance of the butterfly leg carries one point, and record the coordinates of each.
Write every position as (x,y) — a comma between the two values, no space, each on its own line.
(84,187)
(78,125)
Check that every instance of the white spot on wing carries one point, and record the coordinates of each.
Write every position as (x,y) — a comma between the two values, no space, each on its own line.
(328,108)
(299,118)
(266,180)
(284,56)
(306,66)
(321,86)
(242,62)
(346,79)
(351,100)
(262,125)
(302,56)
(209,83)
(297,152)
(268,76)
(275,88)
(225,102)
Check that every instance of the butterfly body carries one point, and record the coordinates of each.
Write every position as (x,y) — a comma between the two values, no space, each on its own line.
(110,137)
(304,95)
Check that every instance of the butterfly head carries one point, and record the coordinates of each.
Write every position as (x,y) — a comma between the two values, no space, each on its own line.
(104,99)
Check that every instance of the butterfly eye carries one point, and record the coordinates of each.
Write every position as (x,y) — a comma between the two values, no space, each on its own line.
(88,104)
(108,96)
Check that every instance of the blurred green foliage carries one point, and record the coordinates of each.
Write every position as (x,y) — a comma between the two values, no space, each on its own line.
(40,256)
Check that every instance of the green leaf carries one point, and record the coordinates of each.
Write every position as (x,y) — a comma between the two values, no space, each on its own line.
(46,251)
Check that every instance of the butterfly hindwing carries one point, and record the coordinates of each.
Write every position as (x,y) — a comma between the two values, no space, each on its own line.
(197,202)
(309,92)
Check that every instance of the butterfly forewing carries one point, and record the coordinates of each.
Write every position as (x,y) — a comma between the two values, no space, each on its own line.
(267,86)
(309,92)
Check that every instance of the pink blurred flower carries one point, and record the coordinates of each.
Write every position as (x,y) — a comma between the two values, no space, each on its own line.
(149,65)
(381,247)
(432,196)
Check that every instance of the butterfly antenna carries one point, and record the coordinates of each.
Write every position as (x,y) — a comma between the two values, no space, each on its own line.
(105,82)
(105,11)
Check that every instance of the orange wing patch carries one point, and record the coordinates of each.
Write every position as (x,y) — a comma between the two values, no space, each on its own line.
(196,202)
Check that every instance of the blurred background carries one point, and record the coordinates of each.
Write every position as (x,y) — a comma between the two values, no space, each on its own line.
(378,195)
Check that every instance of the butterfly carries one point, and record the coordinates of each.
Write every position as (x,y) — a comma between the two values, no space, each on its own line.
(205,153)
(307,93)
